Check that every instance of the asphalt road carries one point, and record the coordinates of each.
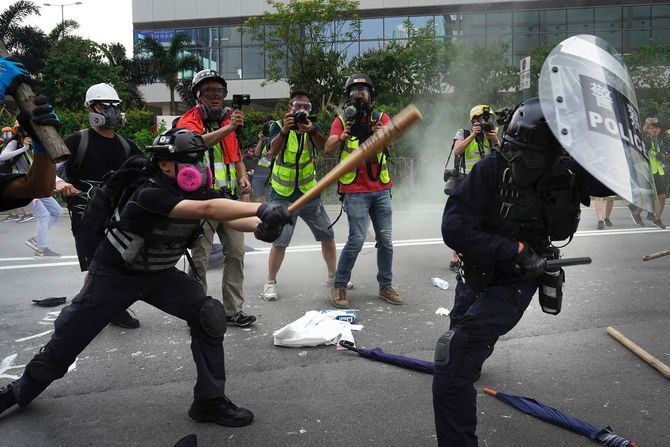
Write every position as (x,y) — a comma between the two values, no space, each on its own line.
(133,387)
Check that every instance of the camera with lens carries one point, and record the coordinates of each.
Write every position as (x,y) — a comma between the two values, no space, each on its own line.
(241,100)
(485,120)
(300,117)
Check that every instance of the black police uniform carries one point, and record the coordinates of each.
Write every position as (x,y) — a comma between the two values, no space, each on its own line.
(137,261)
(477,224)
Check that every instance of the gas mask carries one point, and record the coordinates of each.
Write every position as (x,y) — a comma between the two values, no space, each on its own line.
(527,165)
(212,116)
(106,114)
(193,177)
(356,110)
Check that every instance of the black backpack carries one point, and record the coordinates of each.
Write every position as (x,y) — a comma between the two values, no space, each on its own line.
(117,187)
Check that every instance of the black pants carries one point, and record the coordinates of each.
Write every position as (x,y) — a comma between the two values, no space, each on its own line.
(477,320)
(107,292)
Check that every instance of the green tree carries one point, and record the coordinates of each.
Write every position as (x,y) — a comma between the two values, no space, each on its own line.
(306,42)
(30,44)
(165,64)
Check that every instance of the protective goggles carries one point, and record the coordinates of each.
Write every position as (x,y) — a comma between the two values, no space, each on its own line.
(302,105)
(106,105)
(359,91)
(213,92)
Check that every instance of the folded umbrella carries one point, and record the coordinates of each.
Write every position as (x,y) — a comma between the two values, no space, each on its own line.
(604,436)
(423,366)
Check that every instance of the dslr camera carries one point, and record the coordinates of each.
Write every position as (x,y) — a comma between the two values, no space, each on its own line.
(486,121)
(300,117)
(241,100)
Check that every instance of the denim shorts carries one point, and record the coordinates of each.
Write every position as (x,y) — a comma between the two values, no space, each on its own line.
(313,214)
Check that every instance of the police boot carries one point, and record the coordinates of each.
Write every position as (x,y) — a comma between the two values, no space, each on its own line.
(220,411)
(7,399)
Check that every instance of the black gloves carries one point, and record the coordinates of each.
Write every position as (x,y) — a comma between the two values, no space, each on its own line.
(528,264)
(274,216)
(43,115)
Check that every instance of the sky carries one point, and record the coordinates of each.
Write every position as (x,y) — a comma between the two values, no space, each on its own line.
(103,21)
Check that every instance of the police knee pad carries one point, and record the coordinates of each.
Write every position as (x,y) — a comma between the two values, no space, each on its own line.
(210,321)
(41,371)
(443,347)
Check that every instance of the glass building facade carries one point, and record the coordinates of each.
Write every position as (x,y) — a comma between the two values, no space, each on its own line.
(236,56)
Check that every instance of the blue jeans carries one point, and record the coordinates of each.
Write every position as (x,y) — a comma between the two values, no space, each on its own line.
(361,207)
(47,211)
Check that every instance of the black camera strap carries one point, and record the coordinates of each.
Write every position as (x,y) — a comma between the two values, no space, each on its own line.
(459,160)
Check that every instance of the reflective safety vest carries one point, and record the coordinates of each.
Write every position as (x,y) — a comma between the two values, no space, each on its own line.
(225,174)
(347,149)
(265,160)
(158,249)
(294,165)
(473,153)
(654,155)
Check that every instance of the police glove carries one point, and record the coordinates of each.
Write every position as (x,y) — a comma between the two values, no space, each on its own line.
(12,73)
(42,115)
(274,214)
(267,232)
(528,264)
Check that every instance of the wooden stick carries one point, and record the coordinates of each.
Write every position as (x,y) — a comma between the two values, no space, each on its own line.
(51,140)
(656,255)
(644,355)
(377,141)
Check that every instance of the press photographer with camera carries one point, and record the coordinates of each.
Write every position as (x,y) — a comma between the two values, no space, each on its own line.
(366,190)
(294,143)
(217,125)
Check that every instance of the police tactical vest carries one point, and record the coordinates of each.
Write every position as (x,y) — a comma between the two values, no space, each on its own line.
(294,165)
(352,144)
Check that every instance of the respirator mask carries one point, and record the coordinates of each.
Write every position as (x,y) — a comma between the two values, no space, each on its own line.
(106,114)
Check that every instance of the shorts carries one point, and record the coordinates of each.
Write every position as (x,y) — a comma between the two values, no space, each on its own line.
(661,183)
(313,214)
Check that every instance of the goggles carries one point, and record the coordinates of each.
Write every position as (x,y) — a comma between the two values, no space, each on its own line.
(302,105)
(106,105)
(214,92)
(359,91)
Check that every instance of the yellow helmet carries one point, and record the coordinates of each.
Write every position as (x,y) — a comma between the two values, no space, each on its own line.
(7,129)
(479,109)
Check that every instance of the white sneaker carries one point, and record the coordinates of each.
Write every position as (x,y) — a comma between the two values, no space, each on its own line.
(330,281)
(270,291)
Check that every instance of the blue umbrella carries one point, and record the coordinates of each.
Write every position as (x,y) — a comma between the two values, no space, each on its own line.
(423,366)
(546,413)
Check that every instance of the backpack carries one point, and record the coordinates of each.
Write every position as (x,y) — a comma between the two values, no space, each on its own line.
(117,187)
(84,136)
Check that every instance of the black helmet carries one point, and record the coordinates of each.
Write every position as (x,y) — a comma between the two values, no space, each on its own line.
(182,145)
(204,75)
(359,79)
(528,129)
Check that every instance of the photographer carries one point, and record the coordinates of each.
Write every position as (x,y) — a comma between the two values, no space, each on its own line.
(294,142)
(470,146)
(260,181)
(217,126)
(366,190)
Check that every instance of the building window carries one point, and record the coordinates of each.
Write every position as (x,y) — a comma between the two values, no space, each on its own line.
(553,21)
(252,63)
(372,29)
(612,37)
(448,25)
(371,45)
(580,20)
(526,21)
(473,24)
(661,35)
(394,28)
(421,21)
(230,63)
(660,16)
(229,36)
(637,17)
(608,18)
(499,23)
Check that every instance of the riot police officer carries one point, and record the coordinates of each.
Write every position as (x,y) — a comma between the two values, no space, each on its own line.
(501,220)
(149,234)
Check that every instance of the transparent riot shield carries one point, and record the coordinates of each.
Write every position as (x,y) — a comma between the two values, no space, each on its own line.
(588,100)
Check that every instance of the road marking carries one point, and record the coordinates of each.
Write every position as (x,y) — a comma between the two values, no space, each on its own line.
(317,247)
(34,336)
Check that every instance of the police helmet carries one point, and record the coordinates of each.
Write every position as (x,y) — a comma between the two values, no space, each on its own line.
(527,129)
(359,79)
(182,145)
(206,75)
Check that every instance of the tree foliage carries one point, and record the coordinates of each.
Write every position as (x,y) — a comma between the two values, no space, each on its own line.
(30,44)
(304,35)
(165,64)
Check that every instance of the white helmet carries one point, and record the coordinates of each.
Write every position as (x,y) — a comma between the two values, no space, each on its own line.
(101,92)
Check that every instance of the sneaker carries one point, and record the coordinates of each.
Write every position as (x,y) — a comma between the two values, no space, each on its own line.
(32,243)
(270,291)
(45,253)
(15,218)
(608,222)
(601,225)
(330,281)
(636,218)
(240,319)
(338,297)
(26,218)
(389,295)
(658,223)
(7,399)
(650,216)
(220,411)
(125,320)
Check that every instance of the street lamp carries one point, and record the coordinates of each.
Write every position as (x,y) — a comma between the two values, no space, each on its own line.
(62,7)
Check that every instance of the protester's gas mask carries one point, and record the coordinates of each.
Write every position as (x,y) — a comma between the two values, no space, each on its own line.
(357,108)
(194,177)
(106,114)
(212,116)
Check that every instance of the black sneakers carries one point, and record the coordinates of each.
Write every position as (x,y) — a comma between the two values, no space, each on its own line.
(220,411)
(601,225)
(7,399)
(650,216)
(636,217)
(608,222)
(658,223)
(241,319)
(125,320)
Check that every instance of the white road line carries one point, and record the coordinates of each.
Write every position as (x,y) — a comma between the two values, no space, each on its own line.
(34,336)
(317,247)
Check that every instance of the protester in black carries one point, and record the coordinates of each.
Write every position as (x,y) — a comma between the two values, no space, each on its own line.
(151,232)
